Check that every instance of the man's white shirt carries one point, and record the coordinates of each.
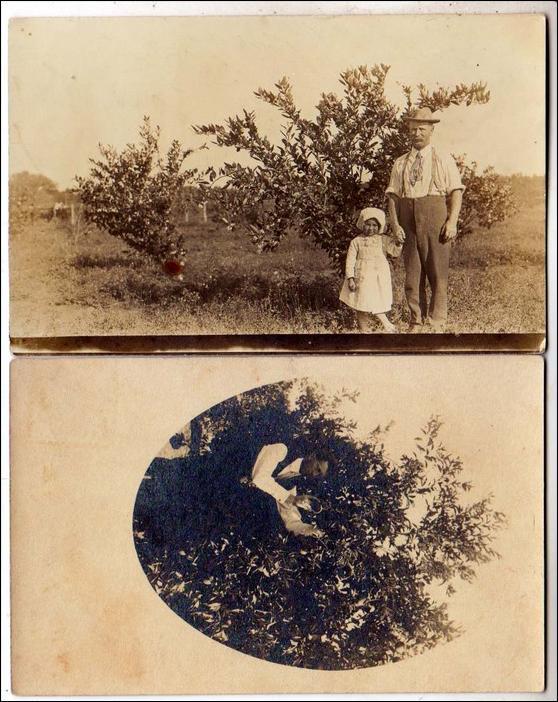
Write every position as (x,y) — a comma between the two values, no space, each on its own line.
(445,181)
(262,472)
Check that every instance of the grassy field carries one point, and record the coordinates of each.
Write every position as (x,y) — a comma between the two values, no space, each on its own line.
(93,285)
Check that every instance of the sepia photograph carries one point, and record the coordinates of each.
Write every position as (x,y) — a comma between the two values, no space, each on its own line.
(273,526)
(277,524)
(278,175)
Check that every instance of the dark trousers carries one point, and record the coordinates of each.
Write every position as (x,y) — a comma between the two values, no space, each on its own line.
(425,256)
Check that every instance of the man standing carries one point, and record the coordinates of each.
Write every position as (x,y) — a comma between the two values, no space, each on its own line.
(425,193)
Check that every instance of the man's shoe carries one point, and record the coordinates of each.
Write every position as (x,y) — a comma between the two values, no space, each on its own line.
(437,327)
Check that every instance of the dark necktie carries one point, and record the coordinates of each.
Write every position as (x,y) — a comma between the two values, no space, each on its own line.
(416,170)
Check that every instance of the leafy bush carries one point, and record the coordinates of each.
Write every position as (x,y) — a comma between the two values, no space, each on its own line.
(324,170)
(488,197)
(132,194)
(215,550)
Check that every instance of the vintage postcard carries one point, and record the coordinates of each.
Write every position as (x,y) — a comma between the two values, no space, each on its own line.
(287,524)
(371,181)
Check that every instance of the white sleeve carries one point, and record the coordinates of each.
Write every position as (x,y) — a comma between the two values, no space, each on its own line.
(290,471)
(395,181)
(391,247)
(350,263)
(452,175)
(290,516)
(265,464)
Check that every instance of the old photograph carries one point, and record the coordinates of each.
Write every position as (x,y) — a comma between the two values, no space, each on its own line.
(252,524)
(201,176)
(272,527)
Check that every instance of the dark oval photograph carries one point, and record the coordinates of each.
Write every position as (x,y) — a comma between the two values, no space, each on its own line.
(270,525)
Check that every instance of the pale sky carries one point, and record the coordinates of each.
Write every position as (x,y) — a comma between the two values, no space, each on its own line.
(77,82)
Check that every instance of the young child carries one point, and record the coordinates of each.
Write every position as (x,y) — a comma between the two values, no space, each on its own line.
(367,284)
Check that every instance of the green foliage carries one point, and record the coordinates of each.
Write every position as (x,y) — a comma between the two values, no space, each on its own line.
(131,194)
(360,596)
(324,170)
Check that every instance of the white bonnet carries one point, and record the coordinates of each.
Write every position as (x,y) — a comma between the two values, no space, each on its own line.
(371,213)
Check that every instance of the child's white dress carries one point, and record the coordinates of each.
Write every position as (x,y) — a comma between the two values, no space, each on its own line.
(367,264)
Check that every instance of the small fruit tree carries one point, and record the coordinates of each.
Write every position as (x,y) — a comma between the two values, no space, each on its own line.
(132,195)
(488,197)
(323,170)
(398,535)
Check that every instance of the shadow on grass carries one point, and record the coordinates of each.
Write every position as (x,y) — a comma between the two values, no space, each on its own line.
(88,260)
(286,291)
(465,258)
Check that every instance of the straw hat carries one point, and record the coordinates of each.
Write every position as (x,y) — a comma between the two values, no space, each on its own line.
(423,114)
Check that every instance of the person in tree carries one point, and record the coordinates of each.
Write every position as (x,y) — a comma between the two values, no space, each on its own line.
(288,502)
(425,193)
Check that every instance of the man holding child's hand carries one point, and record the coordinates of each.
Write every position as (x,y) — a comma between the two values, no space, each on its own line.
(425,193)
